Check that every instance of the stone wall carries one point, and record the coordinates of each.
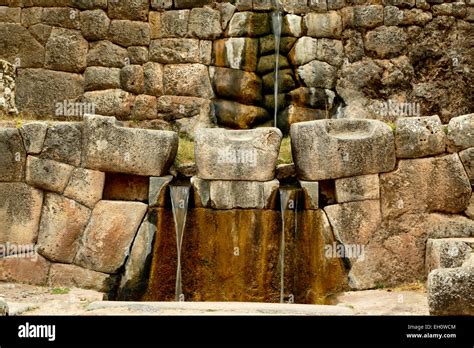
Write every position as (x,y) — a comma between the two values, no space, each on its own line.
(186,64)
(89,201)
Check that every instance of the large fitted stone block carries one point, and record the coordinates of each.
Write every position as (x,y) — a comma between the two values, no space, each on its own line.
(12,155)
(331,149)
(461,133)
(447,252)
(110,148)
(47,174)
(357,188)
(237,155)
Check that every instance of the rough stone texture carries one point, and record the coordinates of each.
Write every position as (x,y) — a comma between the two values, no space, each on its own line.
(20,211)
(4,311)
(234,155)
(239,116)
(107,239)
(220,194)
(386,42)
(138,54)
(125,187)
(153,74)
(7,88)
(61,17)
(19,46)
(176,107)
(94,25)
(241,86)
(38,91)
(97,78)
(135,278)
(62,223)
(157,190)
(467,159)
(174,23)
(204,23)
(47,174)
(61,275)
(12,155)
(425,185)
(447,252)
(33,134)
(66,50)
(249,24)
(175,51)
(236,53)
(24,270)
(187,80)
(129,33)
(111,102)
(63,143)
(470,208)
(311,194)
(107,147)
(450,291)
(144,108)
(318,74)
(460,133)
(419,137)
(105,53)
(294,114)
(331,149)
(324,24)
(85,186)
(130,9)
(132,79)
(357,188)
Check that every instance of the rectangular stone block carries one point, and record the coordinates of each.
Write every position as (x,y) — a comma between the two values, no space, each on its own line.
(357,188)
(62,275)
(33,270)
(47,174)
(12,155)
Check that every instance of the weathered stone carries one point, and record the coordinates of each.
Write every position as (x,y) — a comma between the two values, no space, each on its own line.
(33,134)
(10,14)
(66,50)
(357,188)
(392,15)
(341,148)
(85,186)
(97,78)
(249,24)
(124,187)
(419,137)
(94,25)
(205,52)
(327,25)
(367,16)
(12,155)
(310,97)
(135,278)
(318,74)
(175,107)
(450,291)
(227,10)
(267,64)
(234,155)
(109,148)
(31,16)
(138,54)
(20,211)
(470,209)
(311,194)
(19,47)
(304,50)
(111,102)
(41,32)
(295,6)
(425,185)
(292,25)
(175,51)
(447,252)
(33,270)
(236,53)
(61,17)
(174,23)
(235,115)
(460,133)
(144,108)
(112,223)
(153,75)
(105,53)
(157,190)
(130,9)
(39,91)
(89,4)
(187,80)
(132,79)
(47,174)
(220,194)
(63,143)
(7,88)
(62,222)
(386,42)
(62,275)
(294,114)
(416,17)
(4,311)
(129,33)
(467,159)
(154,19)
(244,87)
(204,23)
(267,44)
(353,45)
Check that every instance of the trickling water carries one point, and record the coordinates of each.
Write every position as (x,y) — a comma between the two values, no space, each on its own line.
(285,195)
(277,24)
(179,201)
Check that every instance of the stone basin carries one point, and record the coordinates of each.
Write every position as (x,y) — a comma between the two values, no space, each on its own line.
(223,154)
(332,149)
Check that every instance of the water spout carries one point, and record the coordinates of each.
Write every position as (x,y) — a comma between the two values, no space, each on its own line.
(179,201)
(277,24)
(285,195)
